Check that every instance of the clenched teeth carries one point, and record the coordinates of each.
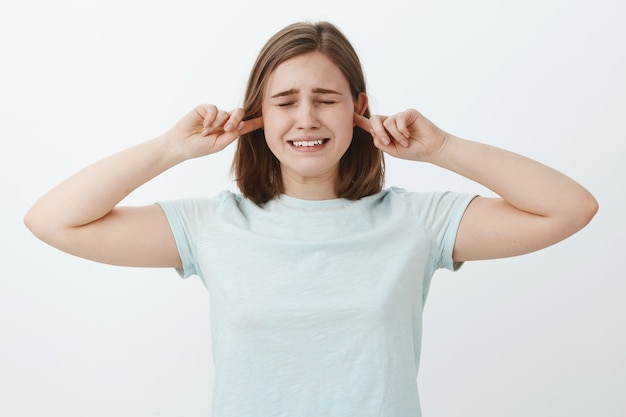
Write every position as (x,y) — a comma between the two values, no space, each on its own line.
(307,142)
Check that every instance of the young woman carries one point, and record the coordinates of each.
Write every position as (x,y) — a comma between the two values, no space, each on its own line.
(317,275)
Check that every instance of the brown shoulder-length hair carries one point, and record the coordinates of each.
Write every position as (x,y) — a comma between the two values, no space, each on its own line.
(256,169)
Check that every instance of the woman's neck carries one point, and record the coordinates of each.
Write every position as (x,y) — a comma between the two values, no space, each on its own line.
(307,188)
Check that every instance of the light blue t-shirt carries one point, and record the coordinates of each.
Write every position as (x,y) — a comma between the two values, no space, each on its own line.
(316,306)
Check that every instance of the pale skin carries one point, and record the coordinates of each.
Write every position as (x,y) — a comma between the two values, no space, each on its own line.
(537,205)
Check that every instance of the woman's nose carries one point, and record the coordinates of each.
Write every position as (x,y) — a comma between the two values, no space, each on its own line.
(307,117)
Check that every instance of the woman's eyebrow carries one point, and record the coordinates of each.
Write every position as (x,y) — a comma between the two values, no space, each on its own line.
(325,91)
(293,91)
(285,93)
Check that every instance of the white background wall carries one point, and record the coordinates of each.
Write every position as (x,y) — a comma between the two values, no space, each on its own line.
(540,335)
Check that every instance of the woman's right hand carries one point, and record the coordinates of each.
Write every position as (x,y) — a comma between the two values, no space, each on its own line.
(208,129)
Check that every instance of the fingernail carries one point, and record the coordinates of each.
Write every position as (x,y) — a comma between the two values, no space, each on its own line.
(405,144)
(240,126)
(205,132)
(228,127)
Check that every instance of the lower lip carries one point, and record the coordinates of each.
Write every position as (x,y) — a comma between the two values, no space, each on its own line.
(307,149)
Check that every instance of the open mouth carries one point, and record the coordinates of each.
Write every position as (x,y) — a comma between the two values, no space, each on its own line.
(307,143)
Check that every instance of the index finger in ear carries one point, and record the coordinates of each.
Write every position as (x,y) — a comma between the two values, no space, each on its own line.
(234,120)
(362,122)
(250,125)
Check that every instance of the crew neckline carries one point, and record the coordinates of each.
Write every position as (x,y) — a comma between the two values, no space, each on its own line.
(313,204)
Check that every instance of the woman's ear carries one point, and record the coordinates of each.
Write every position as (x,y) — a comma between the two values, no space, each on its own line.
(360,104)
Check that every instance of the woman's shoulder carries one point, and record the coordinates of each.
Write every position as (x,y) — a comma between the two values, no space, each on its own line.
(396,194)
(421,201)
(203,204)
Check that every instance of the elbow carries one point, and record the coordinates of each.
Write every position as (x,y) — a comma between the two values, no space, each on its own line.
(37,224)
(31,222)
(594,206)
(584,211)
(591,208)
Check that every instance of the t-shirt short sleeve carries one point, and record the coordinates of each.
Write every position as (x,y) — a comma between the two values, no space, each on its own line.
(187,219)
(440,214)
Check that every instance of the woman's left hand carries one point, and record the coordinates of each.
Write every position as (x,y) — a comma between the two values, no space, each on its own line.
(406,135)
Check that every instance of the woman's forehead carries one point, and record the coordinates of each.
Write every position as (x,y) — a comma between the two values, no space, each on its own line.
(307,72)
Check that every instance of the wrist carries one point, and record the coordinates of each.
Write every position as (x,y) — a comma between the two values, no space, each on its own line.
(171,146)
(439,156)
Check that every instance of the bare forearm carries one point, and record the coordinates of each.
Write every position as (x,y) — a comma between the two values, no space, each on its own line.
(522,182)
(93,192)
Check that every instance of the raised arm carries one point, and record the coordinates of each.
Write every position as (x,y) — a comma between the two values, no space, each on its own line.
(539,206)
(80,216)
